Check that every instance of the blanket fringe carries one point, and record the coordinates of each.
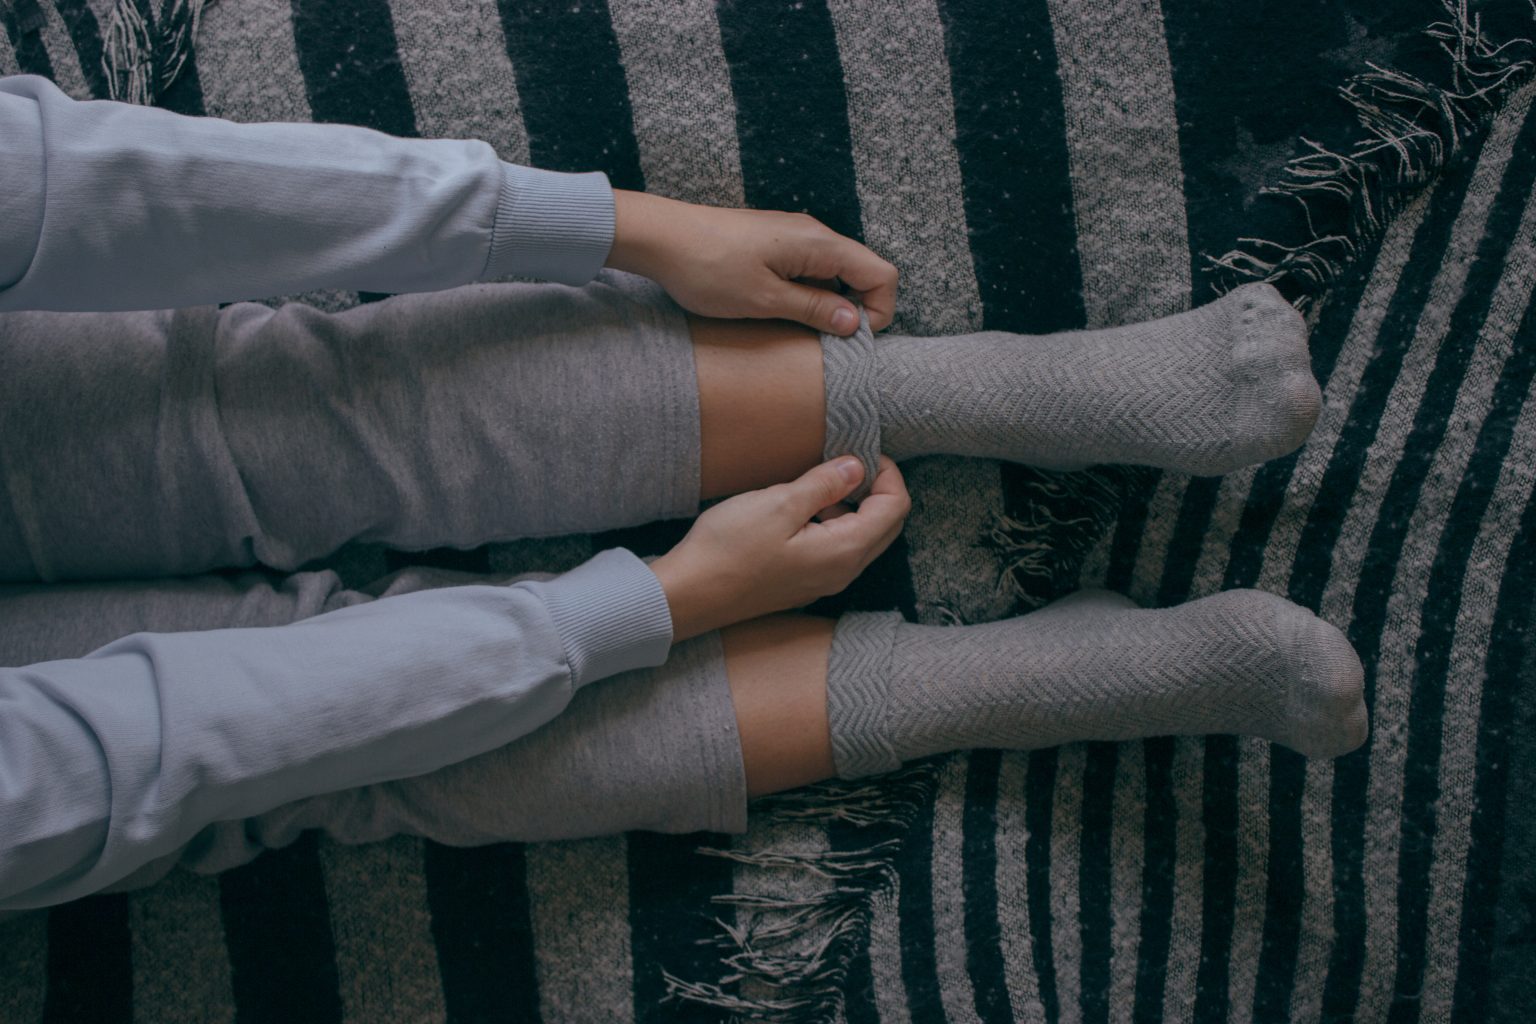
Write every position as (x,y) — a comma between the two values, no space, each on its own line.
(786,957)
(1414,130)
(143,54)
(1043,545)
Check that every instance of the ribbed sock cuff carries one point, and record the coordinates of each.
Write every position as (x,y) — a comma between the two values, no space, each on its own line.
(858,678)
(853,407)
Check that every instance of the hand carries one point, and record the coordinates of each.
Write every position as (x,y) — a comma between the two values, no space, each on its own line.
(764,551)
(744,263)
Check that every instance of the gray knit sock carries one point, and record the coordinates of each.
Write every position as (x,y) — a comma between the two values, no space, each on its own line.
(1206,391)
(1092,667)
(853,405)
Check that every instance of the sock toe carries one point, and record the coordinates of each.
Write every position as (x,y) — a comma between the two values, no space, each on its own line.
(1277,400)
(1326,714)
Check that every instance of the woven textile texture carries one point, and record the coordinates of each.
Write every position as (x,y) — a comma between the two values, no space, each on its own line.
(1030,165)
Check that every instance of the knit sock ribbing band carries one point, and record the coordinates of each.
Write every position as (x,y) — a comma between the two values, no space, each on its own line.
(860,659)
(853,404)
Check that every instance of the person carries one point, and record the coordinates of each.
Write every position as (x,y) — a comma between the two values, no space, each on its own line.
(146,432)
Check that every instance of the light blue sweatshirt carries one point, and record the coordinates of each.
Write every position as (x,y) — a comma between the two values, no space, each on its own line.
(113,760)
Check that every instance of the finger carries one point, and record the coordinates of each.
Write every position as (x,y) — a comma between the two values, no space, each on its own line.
(888,480)
(817,308)
(831,512)
(821,487)
(875,548)
(884,541)
(883,511)
(872,277)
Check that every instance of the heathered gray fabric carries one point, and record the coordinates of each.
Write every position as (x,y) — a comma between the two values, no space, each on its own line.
(853,409)
(1091,667)
(321,206)
(657,751)
(204,439)
(1205,391)
(121,757)
(170,443)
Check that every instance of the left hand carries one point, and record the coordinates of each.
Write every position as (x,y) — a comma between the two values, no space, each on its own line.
(750,263)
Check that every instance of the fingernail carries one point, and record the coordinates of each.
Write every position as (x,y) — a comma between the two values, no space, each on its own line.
(844,321)
(850,469)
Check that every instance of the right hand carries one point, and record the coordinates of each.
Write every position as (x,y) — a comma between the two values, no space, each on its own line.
(750,263)
(765,551)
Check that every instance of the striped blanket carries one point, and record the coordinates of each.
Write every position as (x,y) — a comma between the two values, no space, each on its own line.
(1030,165)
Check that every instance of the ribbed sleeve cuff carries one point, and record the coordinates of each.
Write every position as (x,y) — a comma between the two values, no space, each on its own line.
(611,614)
(551,226)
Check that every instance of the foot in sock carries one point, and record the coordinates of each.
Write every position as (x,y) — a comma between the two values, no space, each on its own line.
(1092,666)
(1206,391)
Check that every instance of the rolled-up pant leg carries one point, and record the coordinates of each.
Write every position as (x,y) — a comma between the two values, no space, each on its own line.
(170,443)
(655,749)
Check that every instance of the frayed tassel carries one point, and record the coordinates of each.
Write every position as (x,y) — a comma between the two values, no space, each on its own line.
(1043,547)
(1414,130)
(785,958)
(142,55)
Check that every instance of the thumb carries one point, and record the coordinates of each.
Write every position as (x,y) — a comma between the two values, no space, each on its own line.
(823,486)
(817,308)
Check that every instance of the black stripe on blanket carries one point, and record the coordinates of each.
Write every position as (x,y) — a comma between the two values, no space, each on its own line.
(983,934)
(1160,857)
(1510,643)
(1010,132)
(1094,886)
(85,35)
(1039,794)
(483,931)
(914,910)
(791,110)
(1421,781)
(571,85)
(90,972)
(185,94)
(31,54)
(350,61)
(1314,557)
(277,928)
(671,926)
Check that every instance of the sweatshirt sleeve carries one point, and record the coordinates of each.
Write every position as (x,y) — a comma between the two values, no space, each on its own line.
(110,206)
(110,761)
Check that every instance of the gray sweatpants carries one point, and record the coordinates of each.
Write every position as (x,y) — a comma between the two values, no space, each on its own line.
(141,445)
(166,444)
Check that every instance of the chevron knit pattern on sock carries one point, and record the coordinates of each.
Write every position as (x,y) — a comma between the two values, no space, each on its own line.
(1092,667)
(853,408)
(1206,391)
(861,661)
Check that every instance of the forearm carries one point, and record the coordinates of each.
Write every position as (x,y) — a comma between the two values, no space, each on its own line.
(110,761)
(109,206)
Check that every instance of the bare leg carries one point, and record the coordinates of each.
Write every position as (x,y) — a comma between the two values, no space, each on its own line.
(777,669)
(150,444)
(762,411)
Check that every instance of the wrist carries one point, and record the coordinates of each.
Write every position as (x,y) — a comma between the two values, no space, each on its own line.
(694,608)
(638,220)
